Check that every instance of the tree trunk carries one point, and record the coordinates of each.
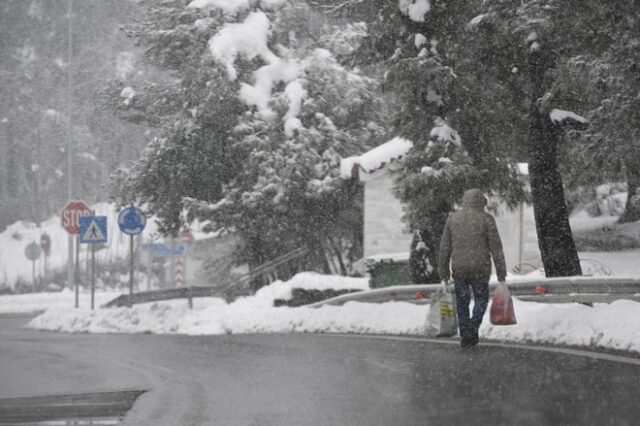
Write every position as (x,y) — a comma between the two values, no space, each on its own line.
(557,248)
(337,253)
(632,210)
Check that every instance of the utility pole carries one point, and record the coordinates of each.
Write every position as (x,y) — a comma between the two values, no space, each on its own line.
(70,268)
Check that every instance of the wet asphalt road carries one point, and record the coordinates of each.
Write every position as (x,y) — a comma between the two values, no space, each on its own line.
(304,379)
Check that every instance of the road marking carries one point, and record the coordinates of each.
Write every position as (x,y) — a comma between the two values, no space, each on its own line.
(126,360)
(566,351)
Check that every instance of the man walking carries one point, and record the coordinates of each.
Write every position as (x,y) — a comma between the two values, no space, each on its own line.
(469,240)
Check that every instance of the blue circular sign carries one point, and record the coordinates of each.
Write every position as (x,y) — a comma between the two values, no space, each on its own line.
(131,221)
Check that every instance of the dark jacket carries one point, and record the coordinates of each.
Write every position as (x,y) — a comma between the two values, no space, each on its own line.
(469,240)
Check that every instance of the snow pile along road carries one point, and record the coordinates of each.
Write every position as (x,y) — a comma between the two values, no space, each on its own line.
(614,326)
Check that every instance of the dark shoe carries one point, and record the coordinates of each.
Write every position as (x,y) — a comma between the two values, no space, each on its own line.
(474,340)
(466,342)
(469,341)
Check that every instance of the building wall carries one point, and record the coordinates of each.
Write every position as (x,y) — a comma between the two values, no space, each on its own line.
(384,231)
(517,230)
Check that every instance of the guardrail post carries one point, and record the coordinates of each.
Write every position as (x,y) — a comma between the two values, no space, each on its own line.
(190,297)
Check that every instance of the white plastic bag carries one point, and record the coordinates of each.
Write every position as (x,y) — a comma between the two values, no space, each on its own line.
(442,320)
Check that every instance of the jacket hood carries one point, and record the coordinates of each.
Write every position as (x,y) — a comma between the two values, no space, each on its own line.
(474,198)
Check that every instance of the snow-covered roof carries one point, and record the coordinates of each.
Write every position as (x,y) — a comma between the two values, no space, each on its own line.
(376,159)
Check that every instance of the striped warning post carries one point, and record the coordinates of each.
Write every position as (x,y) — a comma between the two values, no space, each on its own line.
(179,272)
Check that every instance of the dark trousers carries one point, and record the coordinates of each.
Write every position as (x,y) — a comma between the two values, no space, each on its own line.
(464,287)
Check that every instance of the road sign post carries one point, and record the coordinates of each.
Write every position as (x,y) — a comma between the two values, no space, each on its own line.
(131,221)
(93,230)
(76,276)
(179,273)
(149,264)
(45,245)
(187,239)
(171,250)
(33,251)
(70,221)
(131,267)
(172,261)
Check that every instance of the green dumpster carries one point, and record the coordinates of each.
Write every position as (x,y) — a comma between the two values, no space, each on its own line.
(389,269)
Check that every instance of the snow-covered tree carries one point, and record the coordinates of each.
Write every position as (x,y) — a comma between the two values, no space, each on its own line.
(603,83)
(266,113)
(543,37)
(191,155)
(184,95)
(288,192)
(440,102)
(522,24)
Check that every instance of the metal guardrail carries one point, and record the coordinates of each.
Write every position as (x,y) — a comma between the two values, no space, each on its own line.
(545,290)
(264,269)
(188,293)
(549,290)
(191,292)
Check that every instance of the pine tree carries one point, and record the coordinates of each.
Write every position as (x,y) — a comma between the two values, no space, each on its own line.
(545,36)
(251,138)
(287,192)
(602,83)
(440,103)
(185,97)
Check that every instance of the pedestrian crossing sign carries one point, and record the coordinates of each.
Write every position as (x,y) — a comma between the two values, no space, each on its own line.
(93,229)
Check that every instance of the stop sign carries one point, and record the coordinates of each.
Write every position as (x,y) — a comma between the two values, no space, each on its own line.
(71,214)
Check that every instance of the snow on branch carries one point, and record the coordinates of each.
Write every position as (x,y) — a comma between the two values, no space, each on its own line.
(233,6)
(248,38)
(476,21)
(225,5)
(264,80)
(415,9)
(444,133)
(559,116)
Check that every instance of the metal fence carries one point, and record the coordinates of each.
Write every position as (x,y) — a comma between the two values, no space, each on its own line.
(163,294)
(268,269)
(545,290)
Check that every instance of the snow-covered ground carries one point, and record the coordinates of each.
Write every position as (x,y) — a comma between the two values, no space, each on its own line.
(615,326)
(38,302)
